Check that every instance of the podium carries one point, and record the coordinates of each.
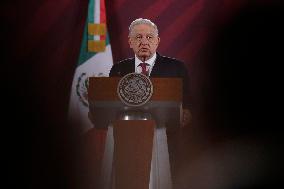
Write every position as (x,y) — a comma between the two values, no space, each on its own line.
(132,155)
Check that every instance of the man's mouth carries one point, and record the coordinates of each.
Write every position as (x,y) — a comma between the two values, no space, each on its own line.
(144,49)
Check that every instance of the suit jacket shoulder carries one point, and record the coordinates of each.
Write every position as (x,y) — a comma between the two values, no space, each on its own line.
(167,59)
(168,67)
(122,68)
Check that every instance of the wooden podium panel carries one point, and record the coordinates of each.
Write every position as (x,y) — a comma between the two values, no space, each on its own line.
(133,144)
(165,89)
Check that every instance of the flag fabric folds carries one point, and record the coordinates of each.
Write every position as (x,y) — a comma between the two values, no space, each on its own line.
(95,59)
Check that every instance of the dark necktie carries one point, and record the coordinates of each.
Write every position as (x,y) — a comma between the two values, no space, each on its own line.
(144,65)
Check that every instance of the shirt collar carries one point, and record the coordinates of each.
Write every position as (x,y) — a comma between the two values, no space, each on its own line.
(151,61)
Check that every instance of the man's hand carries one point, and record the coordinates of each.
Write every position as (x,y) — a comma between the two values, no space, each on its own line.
(186,118)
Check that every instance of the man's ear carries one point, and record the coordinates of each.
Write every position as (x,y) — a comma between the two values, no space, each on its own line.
(159,39)
(130,42)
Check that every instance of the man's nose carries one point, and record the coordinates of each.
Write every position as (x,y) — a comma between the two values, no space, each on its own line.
(144,40)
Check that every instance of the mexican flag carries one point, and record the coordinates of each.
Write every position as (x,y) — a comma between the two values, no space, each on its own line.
(95,59)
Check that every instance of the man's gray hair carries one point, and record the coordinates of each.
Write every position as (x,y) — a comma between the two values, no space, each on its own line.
(143,21)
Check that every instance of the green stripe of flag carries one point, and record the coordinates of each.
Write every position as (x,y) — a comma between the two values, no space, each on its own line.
(91,11)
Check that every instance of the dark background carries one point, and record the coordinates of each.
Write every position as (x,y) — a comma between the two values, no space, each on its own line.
(40,45)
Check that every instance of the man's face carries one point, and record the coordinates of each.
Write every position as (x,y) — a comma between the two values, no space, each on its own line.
(144,41)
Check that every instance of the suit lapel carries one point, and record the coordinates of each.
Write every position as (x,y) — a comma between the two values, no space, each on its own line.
(157,66)
(129,66)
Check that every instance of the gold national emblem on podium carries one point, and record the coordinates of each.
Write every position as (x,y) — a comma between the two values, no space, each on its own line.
(135,89)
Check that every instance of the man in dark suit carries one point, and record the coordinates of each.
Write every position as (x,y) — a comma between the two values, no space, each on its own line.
(143,38)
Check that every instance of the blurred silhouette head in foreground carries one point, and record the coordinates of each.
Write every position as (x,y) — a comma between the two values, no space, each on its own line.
(240,100)
(243,71)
